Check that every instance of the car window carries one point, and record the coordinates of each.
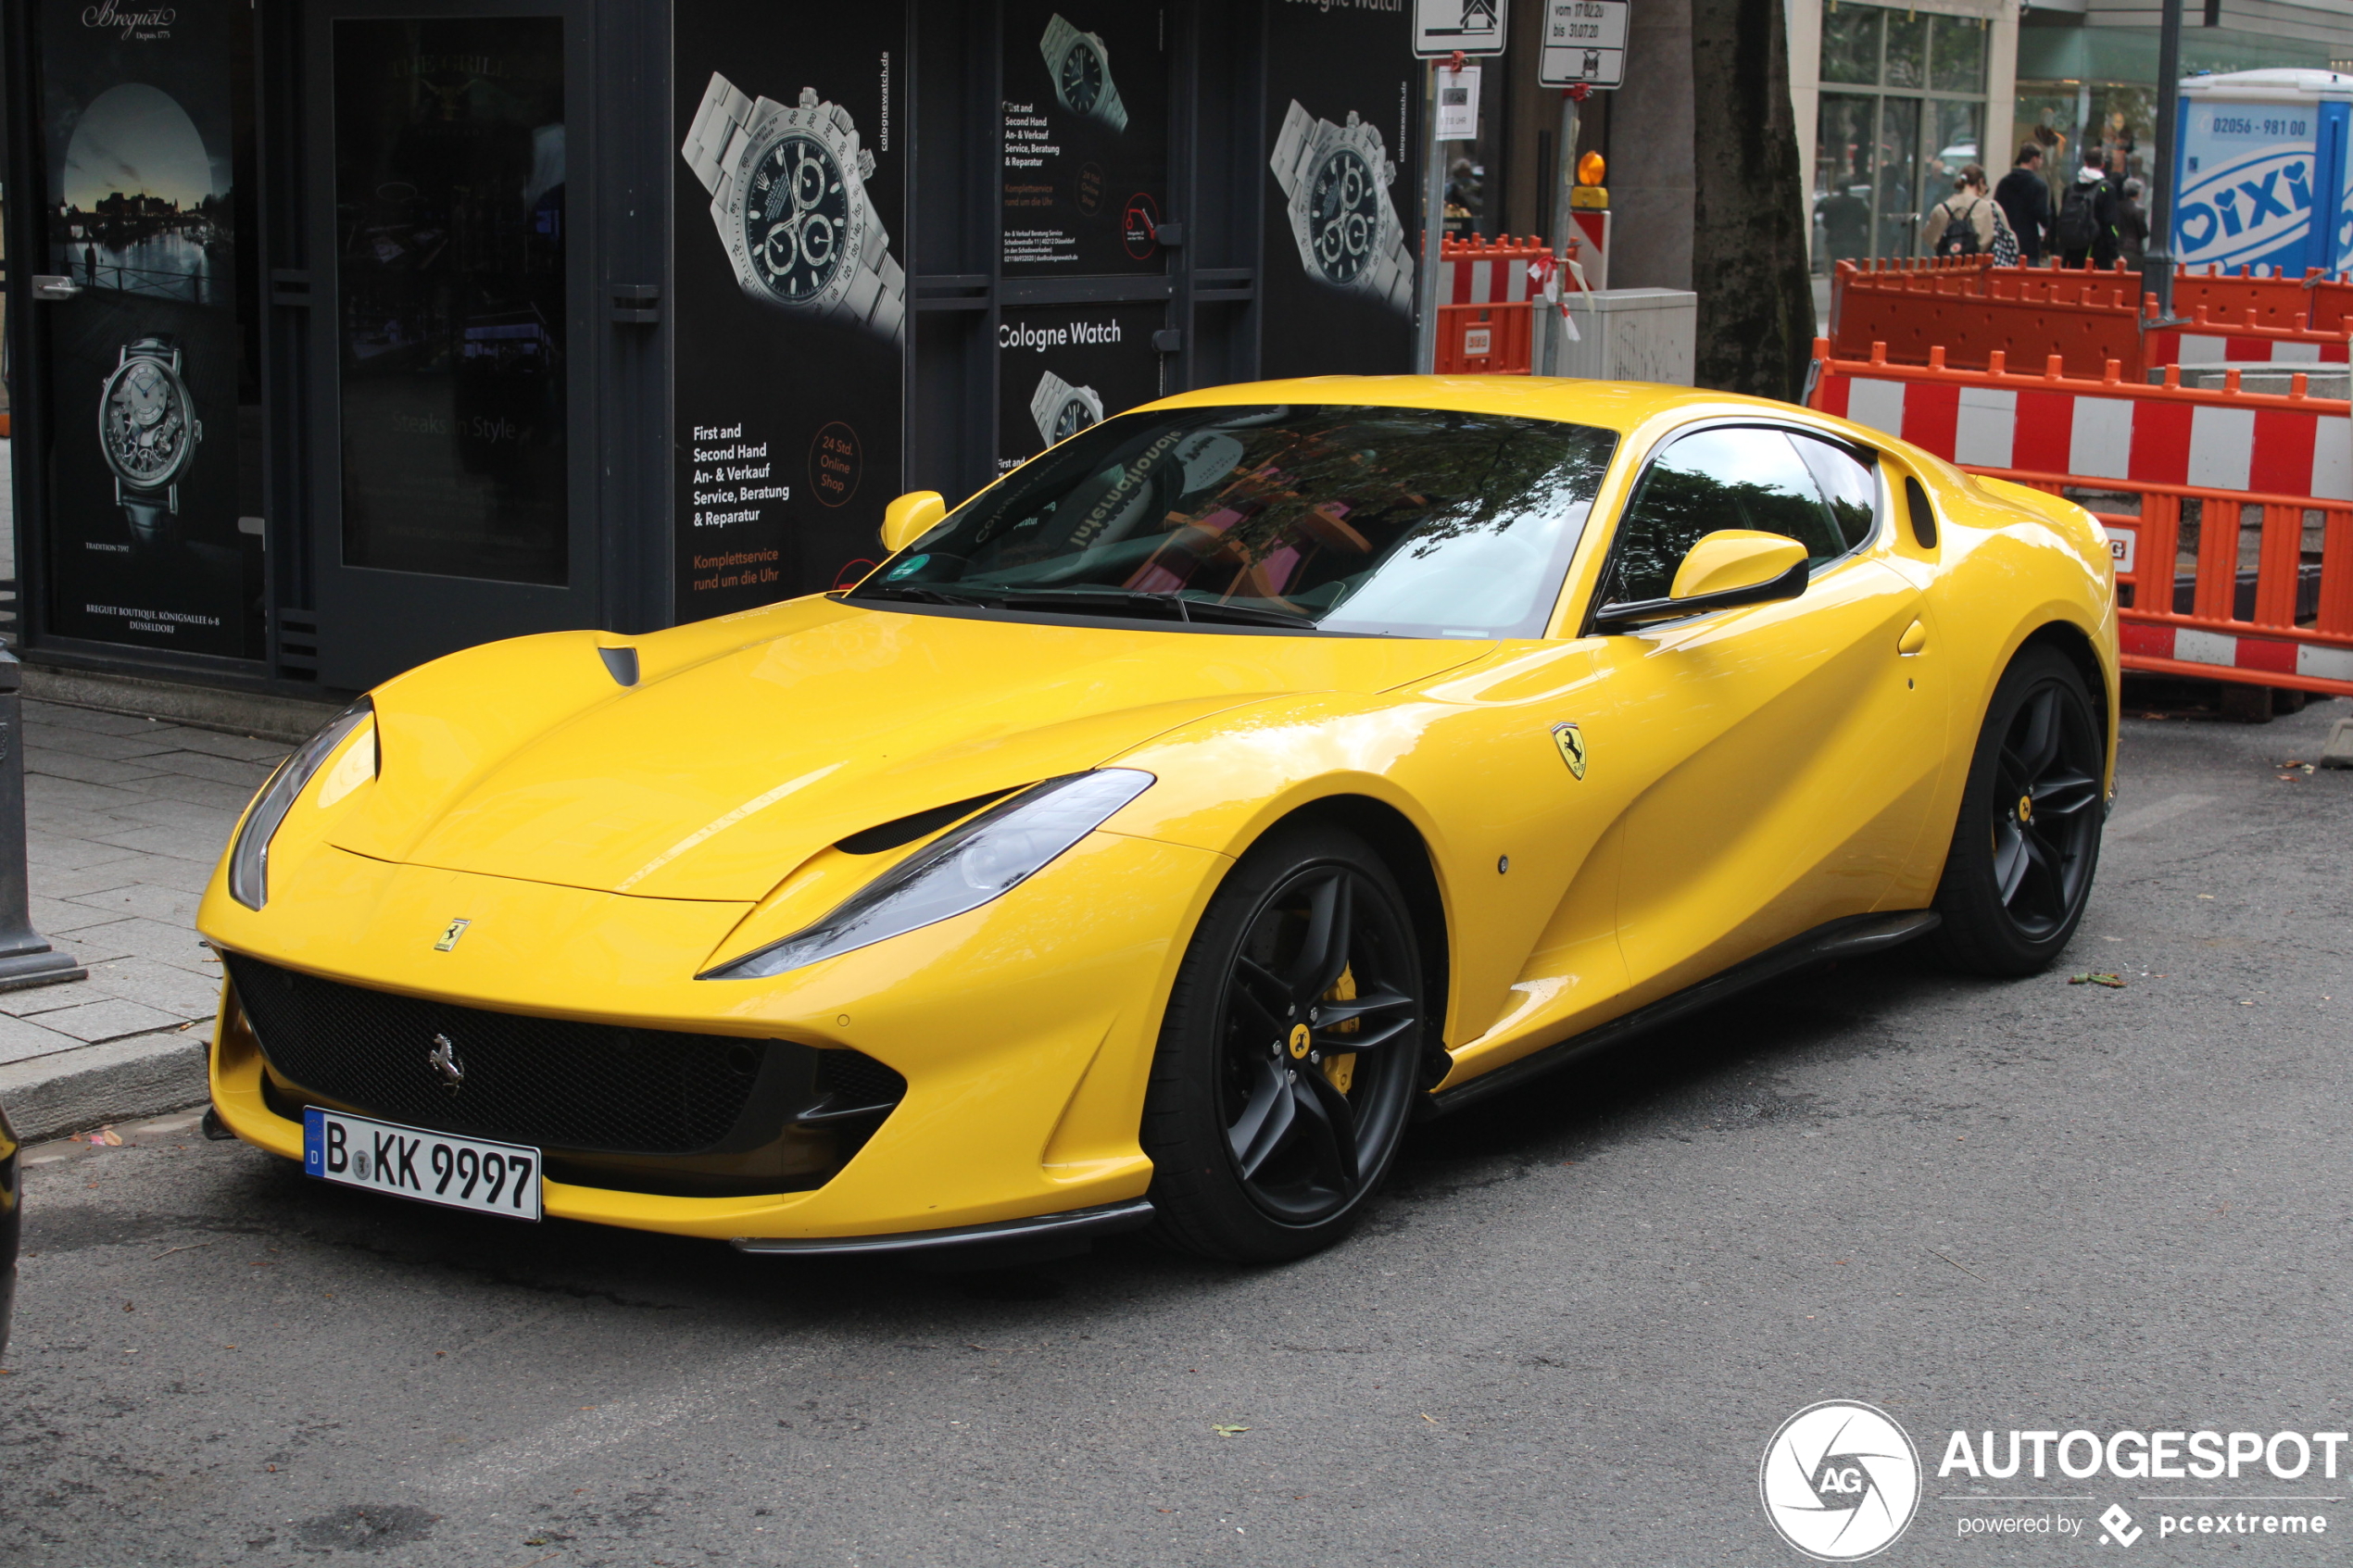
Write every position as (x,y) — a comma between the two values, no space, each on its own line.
(1426,523)
(1848,484)
(1734,477)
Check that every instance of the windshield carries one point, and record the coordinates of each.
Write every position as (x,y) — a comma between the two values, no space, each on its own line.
(1418,523)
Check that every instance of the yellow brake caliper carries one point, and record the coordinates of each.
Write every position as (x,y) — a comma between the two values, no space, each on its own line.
(1339,1068)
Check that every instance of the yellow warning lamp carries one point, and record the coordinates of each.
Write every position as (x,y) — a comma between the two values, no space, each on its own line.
(1589,191)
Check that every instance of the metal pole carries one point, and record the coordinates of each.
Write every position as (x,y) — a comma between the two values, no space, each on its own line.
(26,957)
(2157,262)
(1433,233)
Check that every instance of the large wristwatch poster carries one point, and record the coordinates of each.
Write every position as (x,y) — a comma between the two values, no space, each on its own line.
(1086,137)
(1341,220)
(144,537)
(790,314)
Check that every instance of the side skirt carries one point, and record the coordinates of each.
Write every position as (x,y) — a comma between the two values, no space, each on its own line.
(1848,938)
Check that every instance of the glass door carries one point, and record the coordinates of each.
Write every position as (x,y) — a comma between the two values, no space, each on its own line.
(451,346)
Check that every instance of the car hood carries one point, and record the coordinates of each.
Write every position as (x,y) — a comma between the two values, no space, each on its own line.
(751,742)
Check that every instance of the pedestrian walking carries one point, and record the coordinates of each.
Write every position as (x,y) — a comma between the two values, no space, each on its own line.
(2025,200)
(2085,231)
(1963,223)
(2131,225)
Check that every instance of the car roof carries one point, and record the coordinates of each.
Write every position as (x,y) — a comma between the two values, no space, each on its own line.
(1619,405)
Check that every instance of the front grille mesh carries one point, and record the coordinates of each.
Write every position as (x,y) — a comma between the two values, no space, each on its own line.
(542,1081)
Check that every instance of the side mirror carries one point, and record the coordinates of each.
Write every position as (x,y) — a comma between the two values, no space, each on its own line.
(909,518)
(1729,568)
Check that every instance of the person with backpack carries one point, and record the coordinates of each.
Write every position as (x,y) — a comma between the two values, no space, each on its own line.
(2085,232)
(1965,223)
(2025,200)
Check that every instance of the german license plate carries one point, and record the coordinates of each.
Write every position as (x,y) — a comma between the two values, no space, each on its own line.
(356,1151)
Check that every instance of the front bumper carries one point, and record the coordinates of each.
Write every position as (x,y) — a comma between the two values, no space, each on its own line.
(1023,1030)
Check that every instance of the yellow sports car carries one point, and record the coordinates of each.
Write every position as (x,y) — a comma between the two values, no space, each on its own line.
(1152,837)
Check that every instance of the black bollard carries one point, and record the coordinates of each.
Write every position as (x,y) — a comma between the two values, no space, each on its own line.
(26,957)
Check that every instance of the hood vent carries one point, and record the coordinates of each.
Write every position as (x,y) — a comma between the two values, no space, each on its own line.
(922,824)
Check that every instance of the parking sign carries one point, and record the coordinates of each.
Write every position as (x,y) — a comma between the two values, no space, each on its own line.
(1446,27)
(1584,41)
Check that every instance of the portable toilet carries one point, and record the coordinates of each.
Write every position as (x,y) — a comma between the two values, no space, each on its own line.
(2262,172)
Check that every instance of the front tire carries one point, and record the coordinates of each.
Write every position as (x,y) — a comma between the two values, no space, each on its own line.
(2027,839)
(1289,1056)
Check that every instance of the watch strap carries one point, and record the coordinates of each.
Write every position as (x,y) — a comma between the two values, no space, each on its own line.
(1288,161)
(711,138)
(1114,112)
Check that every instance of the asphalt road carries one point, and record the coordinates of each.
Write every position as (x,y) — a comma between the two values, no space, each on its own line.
(1565,1337)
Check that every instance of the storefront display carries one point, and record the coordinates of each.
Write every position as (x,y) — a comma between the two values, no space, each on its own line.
(1086,138)
(791,323)
(141,535)
(1064,367)
(1339,268)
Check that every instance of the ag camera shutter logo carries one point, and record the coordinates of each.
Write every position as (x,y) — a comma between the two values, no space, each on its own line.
(1840,1481)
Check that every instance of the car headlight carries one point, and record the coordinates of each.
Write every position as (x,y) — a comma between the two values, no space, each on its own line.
(984,859)
(249,861)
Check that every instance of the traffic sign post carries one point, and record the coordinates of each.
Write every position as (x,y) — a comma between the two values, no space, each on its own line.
(1457,26)
(1584,41)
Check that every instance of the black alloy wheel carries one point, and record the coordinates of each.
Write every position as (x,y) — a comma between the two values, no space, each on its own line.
(1289,1056)
(2027,840)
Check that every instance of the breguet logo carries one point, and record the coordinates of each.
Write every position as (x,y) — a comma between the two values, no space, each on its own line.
(154,22)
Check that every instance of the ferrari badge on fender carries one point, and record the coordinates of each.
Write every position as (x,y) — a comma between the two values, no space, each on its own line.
(1571,740)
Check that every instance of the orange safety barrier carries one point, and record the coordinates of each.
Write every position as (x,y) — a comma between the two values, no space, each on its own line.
(2198,595)
(1973,310)
(1486,311)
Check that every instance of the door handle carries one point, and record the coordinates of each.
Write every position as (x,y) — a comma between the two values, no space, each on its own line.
(1915,638)
(50,286)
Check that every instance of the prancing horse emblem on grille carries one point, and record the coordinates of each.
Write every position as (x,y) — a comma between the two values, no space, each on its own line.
(443,1058)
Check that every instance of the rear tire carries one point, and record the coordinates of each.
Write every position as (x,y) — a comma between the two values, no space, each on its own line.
(1289,1056)
(2028,838)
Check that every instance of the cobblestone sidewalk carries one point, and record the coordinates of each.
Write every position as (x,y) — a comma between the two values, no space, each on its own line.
(125,819)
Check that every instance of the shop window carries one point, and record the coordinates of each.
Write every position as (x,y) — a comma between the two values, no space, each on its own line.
(1850,43)
(1901,112)
(1906,50)
(1956,54)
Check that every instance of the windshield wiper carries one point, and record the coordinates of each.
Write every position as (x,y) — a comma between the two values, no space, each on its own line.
(1138,598)
(922,595)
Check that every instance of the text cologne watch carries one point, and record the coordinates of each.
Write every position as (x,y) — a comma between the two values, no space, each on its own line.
(788,195)
(1081,70)
(1336,178)
(1063,410)
(148,430)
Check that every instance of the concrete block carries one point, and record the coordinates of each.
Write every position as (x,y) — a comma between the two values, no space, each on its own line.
(64,1092)
(1630,335)
(2339,751)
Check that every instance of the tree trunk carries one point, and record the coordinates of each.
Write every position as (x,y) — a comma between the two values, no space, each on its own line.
(1748,220)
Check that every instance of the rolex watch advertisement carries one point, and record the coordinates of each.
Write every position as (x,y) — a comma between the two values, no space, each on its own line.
(790,317)
(1341,220)
(145,355)
(1061,368)
(1086,138)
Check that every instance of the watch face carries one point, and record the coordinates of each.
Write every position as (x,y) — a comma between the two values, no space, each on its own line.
(1082,78)
(1073,416)
(145,423)
(795,217)
(1343,215)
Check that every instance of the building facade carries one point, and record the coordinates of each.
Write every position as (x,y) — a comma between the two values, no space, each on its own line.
(347,332)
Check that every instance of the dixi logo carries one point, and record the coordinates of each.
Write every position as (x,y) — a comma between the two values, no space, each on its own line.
(2245,211)
(1840,1481)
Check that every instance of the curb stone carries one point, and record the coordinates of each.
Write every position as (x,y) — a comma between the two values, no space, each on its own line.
(72,1091)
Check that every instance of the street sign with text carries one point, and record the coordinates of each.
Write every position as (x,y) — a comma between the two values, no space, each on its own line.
(1584,41)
